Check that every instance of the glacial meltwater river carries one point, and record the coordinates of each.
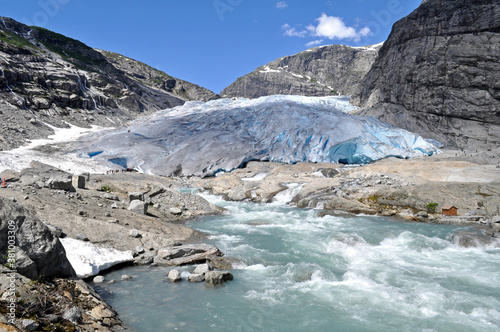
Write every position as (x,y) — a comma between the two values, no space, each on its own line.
(304,273)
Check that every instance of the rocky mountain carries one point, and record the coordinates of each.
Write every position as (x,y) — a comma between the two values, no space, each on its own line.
(438,74)
(319,71)
(47,78)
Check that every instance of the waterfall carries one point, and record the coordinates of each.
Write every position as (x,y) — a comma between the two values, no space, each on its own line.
(87,92)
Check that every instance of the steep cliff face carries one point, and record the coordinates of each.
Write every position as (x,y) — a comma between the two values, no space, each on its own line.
(319,71)
(438,74)
(47,78)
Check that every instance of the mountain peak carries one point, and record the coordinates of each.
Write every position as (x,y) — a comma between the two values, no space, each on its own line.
(318,71)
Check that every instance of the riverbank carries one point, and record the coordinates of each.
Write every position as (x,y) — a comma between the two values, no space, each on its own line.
(101,220)
(413,189)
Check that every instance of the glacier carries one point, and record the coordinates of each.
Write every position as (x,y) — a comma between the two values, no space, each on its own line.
(205,138)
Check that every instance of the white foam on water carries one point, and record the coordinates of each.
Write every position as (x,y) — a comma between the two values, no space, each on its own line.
(286,196)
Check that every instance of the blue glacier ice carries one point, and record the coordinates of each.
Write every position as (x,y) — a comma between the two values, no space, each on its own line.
(205,138)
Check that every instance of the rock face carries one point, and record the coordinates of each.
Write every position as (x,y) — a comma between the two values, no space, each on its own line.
(437,74)
(38,251)
(319,71)
(48,78)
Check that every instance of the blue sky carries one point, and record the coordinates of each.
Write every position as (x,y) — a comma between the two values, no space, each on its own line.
(212,42)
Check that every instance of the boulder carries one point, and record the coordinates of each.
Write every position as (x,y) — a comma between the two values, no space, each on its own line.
(99,279)
(79,181)
(215,278)
(9,176)
(74,315)
(174,276)
(136,196)
(138,206)
(111,197)
(39,252)
(41,175)
(29,325)
(134,233)
(328,172)
(222,263)
(186,254)
(470,239)
(196,277)
(101,312)
(422,214)
(175,211)
(61,182)
(202,269)
(139,250)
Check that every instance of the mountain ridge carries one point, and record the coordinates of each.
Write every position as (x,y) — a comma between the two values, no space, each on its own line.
(48,78)
(319,71)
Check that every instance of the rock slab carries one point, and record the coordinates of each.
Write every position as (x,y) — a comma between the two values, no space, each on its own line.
(186,254)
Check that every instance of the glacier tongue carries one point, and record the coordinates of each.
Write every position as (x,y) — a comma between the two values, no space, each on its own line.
(205,138)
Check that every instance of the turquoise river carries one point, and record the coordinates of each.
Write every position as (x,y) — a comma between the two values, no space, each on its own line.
(299,272)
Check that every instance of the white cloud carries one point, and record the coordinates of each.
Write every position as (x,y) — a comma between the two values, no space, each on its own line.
(293,32)
(330,27)
(282,5)
(333,27)
(314,43)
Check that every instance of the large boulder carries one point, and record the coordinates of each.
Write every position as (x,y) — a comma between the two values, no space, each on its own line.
(38,252)
(186,254)
(43,175)
(471,239)
(138,206)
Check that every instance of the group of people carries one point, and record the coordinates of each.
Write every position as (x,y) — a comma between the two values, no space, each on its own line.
(113,171)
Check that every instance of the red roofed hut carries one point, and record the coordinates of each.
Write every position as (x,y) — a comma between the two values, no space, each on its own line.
(449,210)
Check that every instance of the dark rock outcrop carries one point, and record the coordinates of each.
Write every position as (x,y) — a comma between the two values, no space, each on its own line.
(38,252)
(437,74)
(319,71)
(47,78)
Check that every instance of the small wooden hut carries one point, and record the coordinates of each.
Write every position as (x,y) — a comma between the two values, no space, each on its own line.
(449,210)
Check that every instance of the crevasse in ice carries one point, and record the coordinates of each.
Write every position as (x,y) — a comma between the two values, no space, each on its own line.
(205,138)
